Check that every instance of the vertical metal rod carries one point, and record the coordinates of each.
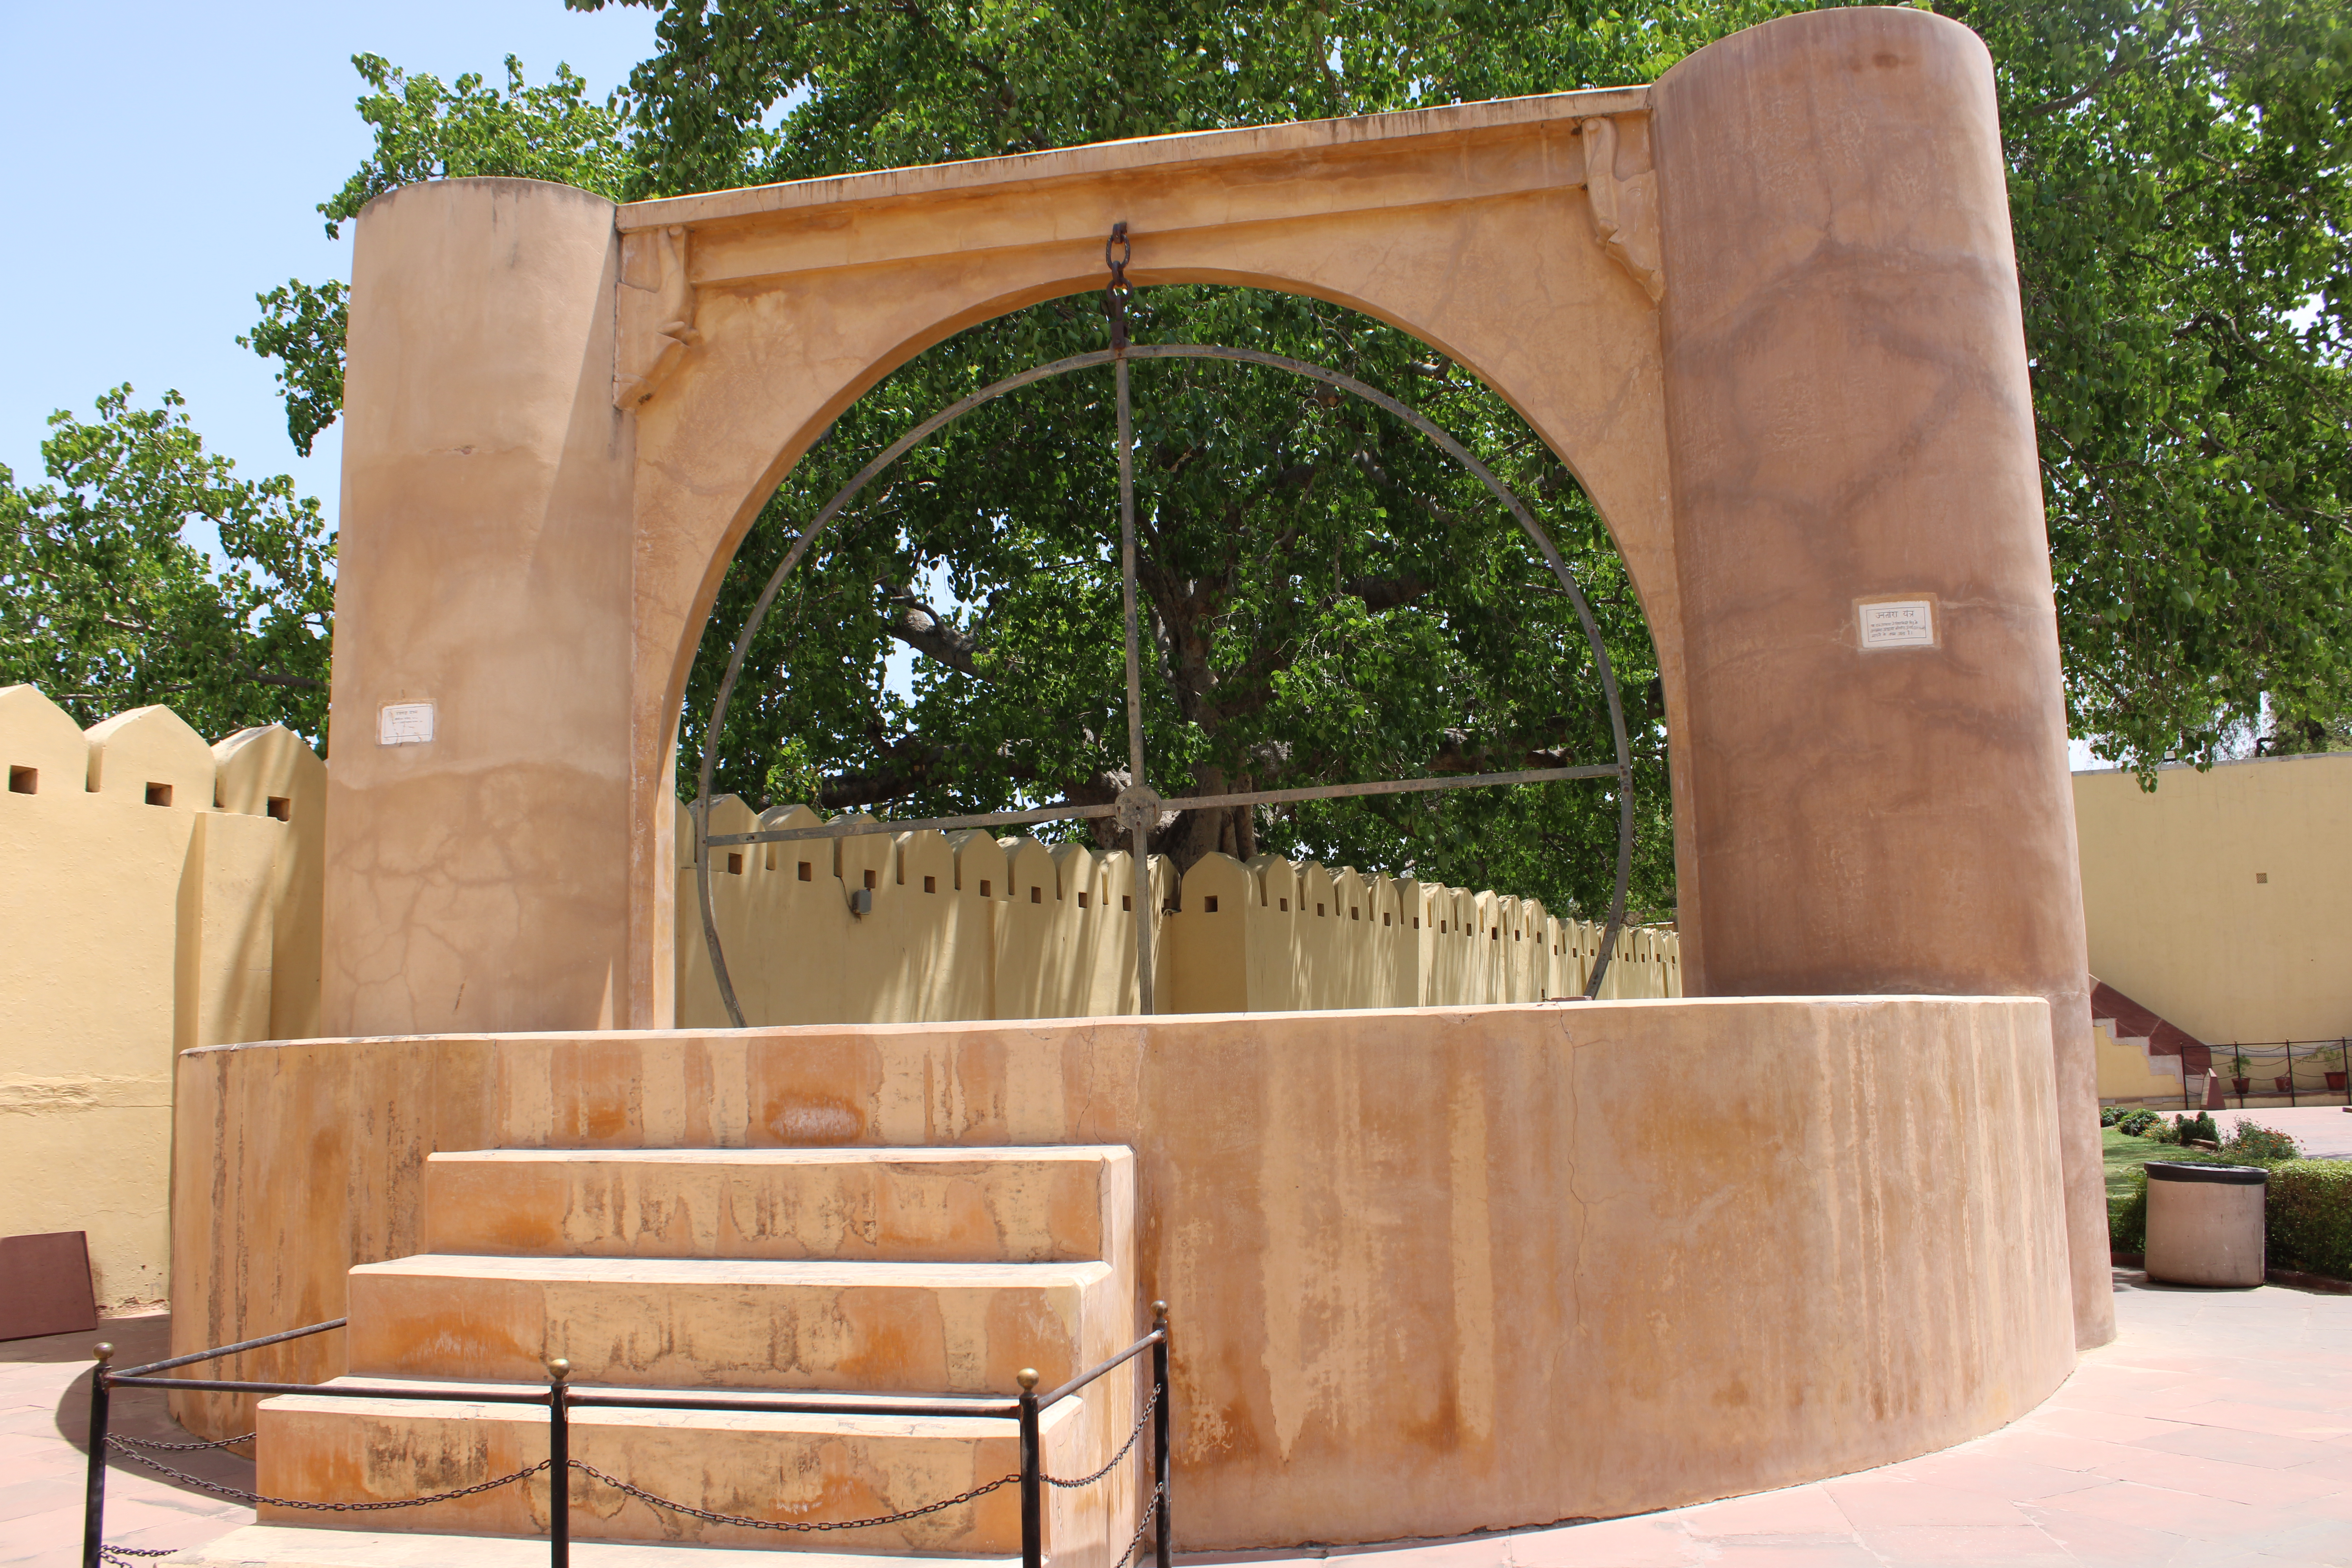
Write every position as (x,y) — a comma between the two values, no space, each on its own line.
(1164,1535)
(1142,829)
(2290,1074)
(1032,1509)
(558,1466)
(93,1515)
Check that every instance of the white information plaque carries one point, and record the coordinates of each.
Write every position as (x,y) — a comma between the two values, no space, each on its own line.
(403,725)
(1898,622)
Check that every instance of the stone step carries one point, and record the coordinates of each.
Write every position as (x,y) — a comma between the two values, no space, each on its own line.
(944,1328)
(801,1469)
(286,1546)
(959,1206)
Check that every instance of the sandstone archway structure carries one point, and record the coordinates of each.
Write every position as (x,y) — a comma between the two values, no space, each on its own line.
(1626,1255)
(1766,309)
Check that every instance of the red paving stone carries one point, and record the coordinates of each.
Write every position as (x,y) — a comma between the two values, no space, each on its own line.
(2216,1432)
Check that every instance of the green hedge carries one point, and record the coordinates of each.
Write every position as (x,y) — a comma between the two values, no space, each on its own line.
(2307,1213)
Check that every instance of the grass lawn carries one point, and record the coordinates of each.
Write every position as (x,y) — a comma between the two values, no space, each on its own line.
(2125,1155)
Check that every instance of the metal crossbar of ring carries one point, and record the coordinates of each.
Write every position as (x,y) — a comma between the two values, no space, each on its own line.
(1138,808)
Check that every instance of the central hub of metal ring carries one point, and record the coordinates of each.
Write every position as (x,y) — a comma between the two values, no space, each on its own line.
(1138,806)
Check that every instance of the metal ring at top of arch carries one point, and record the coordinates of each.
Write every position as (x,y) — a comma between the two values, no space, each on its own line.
(1137,802)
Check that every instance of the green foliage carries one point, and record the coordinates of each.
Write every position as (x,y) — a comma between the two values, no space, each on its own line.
(302,329)
(2307,1211)
(105,606)
(2308,1217)
(2180,184)
(2179,187)
(2259,1144)
(2197,1129)
(425,129)
(2136,1123)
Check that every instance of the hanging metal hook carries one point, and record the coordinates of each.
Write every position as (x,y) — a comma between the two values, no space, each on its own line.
(1117,250)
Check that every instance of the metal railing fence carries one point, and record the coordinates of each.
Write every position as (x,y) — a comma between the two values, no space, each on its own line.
(561,1398)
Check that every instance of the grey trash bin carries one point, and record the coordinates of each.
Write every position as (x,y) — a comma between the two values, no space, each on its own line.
(2205,1223)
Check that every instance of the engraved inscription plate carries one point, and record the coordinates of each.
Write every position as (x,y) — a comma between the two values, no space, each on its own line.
(403,725)
(1898,622)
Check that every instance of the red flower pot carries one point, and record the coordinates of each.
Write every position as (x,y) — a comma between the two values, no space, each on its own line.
(2335,1082)
(2238,1086)
(2285,1084)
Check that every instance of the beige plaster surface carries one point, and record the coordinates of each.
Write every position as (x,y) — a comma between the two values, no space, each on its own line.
(1829,405)
(128,932)
(2206,1233)
(1049,1205)
(2222,900)
(791,1468)
(1421,1264)
(1850,418)
(480,879)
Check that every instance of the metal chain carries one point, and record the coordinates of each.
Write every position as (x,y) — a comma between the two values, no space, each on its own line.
(810,1525)
(1150,1512)
(126,1556)
(256,1499)
(154,1448)
(1149,1404)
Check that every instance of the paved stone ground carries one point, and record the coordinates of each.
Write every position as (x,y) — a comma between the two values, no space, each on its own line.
(2321,1132)
(2215,1433)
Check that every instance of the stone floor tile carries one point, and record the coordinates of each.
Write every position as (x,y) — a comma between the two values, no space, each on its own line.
(2155,1508)
(1871,1503)
(1996,1474)
(2237,1448)
(2278,1421)
(1642,1542)
(1736,1554)
(1966,1546)
(2247,1484)
(2107,1425)
(2106,1543)
(1479,1551)
(2057,1450)
(1806,1511)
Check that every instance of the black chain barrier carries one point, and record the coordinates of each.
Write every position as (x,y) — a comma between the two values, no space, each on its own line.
(812,1525)
(258,1498)
(1150,1405)
(1031,1477)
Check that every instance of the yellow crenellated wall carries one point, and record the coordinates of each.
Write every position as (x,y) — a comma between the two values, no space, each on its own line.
(2223,900)
(155,894)
(977,928)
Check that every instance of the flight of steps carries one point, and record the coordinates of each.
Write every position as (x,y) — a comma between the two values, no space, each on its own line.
(862,1273)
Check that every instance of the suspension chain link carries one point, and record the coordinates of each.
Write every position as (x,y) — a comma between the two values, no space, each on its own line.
(154,1448)
(1149,1405)
(1150,1512)
(810,1525)
(1115,297)
(256,1499)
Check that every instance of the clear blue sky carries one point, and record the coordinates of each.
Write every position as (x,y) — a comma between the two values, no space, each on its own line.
(165,162)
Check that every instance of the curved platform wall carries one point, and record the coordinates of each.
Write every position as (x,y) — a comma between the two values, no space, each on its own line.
(1429,1271)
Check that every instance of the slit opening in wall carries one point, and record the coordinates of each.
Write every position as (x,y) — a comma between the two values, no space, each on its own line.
(983,889)
(734,862)
(1209,905)
(281,808)
(159,794)
(807,872)
(24,780)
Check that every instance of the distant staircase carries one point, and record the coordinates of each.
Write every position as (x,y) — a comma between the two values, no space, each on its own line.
(866,1273)
(2171,1052)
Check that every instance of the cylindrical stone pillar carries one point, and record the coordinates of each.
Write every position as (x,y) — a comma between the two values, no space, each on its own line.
(477,806)
(1878,743)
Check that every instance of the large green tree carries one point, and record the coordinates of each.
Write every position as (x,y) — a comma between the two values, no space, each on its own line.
(1328,599)
(105,606)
